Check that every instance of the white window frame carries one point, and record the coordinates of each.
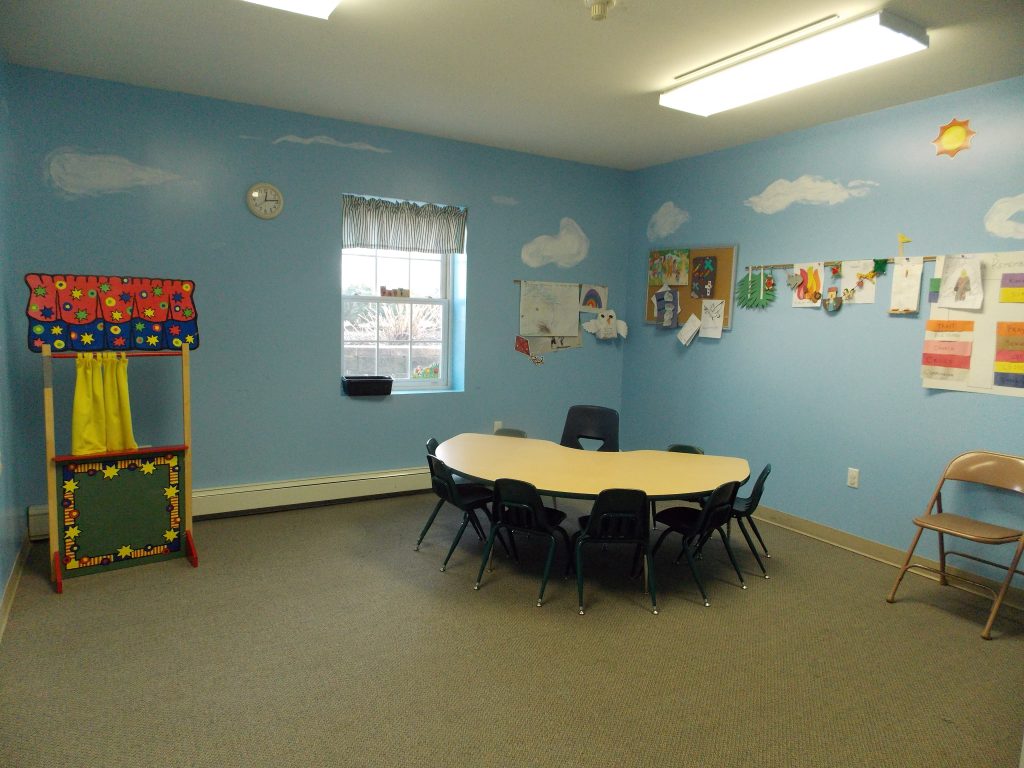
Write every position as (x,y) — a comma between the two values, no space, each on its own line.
(443,381)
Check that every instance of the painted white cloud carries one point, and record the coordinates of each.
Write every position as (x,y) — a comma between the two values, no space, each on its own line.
(504,200)
(362,146)
(566,249)
(1000,219)
(665,221)
(79,174)
(809,190)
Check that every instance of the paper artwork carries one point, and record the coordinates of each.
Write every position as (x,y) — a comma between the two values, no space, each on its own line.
(688,331)
(712,312)
(549,309)
(670,267)
(593,297)
(702,277)
(948,345)
(541,344)
(906,285)
(807,292)
(961,286)
(666,306)
(1011,288)
(859,277)
(1009,364)
(606,325)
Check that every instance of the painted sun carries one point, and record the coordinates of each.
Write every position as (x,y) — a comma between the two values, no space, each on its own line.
(953,136)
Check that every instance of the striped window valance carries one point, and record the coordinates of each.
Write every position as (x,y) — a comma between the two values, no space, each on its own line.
(370,222)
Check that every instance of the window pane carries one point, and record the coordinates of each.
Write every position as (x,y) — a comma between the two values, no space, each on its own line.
(394,360)
(358,275)
(427,322)
(359,319)
(360,359)
(425,278)
(393,321)
(426,361)
(392,273)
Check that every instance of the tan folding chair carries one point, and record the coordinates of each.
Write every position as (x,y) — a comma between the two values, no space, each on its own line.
(996,470)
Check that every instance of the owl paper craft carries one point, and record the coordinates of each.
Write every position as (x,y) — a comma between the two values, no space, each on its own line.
(606,325)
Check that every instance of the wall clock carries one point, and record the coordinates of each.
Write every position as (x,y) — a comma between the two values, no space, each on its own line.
(264,200)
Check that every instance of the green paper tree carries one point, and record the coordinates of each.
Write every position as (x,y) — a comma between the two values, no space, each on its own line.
(755,291)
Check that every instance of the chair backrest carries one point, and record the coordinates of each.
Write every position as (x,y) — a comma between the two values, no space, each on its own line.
(432,446)
(684,448)
(749,504)
(517,504)
(998,470)
(717,508)
(441,480)
(594,422)
(619,514)
(510,432)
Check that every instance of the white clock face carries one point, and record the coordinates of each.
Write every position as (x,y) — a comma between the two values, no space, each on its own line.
(264,200)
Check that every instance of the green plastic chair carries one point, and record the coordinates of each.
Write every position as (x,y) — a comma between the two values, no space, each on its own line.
(619,516)
(517,508)
(696,526)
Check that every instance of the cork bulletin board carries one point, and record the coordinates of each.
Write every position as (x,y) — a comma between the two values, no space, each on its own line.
(710,273)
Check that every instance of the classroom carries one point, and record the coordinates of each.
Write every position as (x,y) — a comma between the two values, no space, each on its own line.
(813,393)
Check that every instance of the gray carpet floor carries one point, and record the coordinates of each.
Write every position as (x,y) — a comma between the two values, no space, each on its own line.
(318,637)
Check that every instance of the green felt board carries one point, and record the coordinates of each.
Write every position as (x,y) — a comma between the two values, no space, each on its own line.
(130,509)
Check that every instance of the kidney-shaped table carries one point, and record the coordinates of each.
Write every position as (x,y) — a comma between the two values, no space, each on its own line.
(571,473)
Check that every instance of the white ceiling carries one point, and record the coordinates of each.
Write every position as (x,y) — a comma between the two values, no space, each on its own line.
(532,75)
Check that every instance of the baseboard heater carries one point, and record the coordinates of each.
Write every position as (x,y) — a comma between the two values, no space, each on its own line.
(233,499)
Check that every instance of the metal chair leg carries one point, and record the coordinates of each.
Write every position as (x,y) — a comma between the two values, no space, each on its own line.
(458,537)
(487,556)
(750,544)
(430,522)
(732,558)
(906,564)
(547,570)
(987,632)
(753,527)
(696,575)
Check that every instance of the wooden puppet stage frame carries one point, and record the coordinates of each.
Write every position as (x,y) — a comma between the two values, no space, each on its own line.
(119,508)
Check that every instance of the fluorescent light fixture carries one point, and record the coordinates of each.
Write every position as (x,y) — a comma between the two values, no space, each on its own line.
(841,48)
(321,9)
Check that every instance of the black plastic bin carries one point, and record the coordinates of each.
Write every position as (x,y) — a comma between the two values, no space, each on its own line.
(366,386)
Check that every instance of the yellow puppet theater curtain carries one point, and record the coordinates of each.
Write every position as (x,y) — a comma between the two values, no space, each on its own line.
(118,406)
(101,417)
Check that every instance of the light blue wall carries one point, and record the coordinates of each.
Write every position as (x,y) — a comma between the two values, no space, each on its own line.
(12,515)
(266,378)
(814,393)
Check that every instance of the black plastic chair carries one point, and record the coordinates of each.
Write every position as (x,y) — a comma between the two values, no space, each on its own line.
(469,497)
(677,448)
(684,448)
(743,509)
(518,508)
(619,516)
(592,422)
(510,432)
(470,491)
(696,526)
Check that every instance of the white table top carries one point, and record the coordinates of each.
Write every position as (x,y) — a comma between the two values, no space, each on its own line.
(570,472)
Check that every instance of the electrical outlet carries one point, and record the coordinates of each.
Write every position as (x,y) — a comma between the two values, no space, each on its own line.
(853,477)
(498,425)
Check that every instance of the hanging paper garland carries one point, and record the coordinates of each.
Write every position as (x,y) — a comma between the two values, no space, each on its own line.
(755,291)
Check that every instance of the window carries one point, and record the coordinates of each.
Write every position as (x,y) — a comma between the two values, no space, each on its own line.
(396,290)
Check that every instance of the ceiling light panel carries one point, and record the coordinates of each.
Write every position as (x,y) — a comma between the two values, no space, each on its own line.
(320,9)
(836,51)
